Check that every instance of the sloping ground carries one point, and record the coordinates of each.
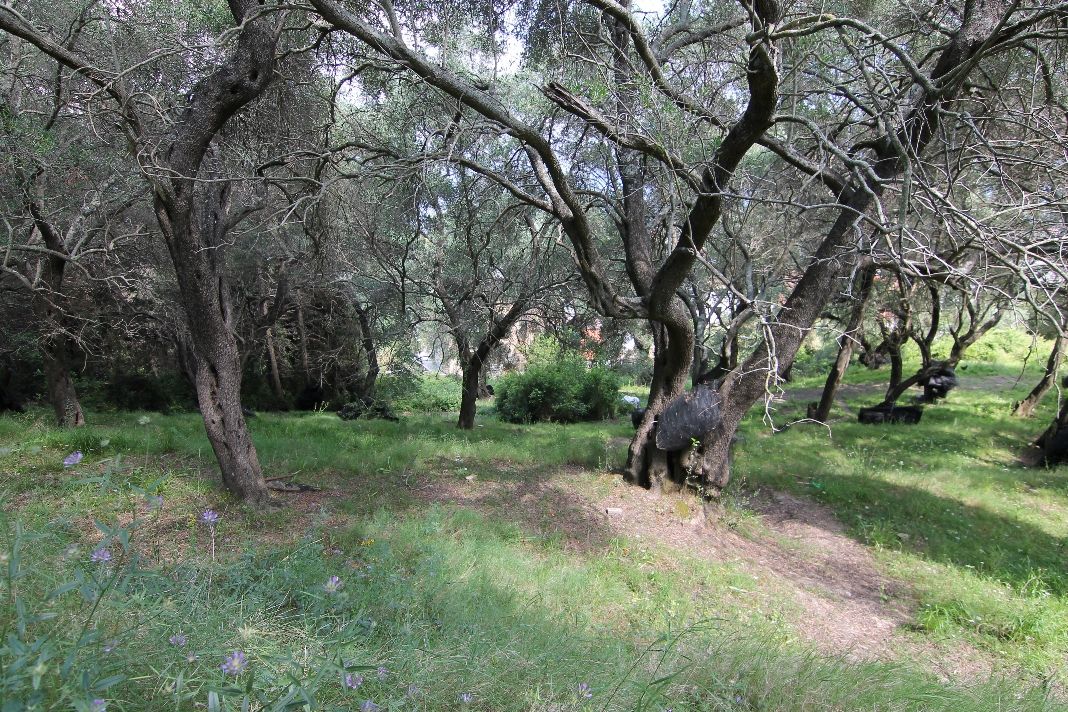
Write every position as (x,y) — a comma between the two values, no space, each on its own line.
(828,586)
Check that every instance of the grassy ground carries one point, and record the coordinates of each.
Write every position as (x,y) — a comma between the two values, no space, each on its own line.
(451,599)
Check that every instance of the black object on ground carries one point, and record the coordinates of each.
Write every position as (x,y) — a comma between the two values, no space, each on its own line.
(905,414)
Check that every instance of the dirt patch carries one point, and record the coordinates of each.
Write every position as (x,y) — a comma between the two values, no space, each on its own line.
(798,552)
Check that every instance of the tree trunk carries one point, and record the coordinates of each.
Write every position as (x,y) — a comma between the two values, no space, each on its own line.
(896,368)
(370,377)
(56,360)
(1026,407)
(217,362)
(864,283)
(305,363)
(276,378)
(648,465)
(469,399)
(54,345)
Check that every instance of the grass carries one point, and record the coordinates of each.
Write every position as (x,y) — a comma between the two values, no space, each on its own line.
(454,599)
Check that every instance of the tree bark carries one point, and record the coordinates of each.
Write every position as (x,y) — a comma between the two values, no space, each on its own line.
(865,280)
(1026,407)
(896,368)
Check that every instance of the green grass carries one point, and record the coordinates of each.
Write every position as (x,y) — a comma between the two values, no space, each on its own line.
(948,507)
(495,599)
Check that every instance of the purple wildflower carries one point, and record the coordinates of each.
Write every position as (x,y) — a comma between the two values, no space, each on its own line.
(73,459)
(235,663)
(178,639)
(154,501)
(191,657)
(352,681)
(584,690)
(209,517)
(100,555)
(413,690)
(466,698)
(98,705)
(382,673)
(333,585)
(368,706)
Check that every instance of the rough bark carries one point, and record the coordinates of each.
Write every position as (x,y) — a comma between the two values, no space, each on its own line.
(862,291)
(1026,407)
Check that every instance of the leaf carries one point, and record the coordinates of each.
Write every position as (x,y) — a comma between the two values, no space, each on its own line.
(108,682)
(213,702)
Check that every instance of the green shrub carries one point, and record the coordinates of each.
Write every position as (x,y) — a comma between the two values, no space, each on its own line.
(564,392)
(426,393)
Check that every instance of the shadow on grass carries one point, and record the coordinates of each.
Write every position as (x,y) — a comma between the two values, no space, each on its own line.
(896,516)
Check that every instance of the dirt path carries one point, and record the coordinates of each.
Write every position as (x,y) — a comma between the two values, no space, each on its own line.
(834,594)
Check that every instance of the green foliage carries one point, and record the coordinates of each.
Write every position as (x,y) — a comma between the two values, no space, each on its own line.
(420,393)
(564,391)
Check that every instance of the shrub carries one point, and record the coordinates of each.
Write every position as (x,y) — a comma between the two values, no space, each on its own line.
(563,392)
(420,392)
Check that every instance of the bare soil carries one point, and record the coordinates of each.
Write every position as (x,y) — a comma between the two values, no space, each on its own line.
(835,595)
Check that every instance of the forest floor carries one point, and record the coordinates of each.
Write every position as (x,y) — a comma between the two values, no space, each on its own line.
(850,567)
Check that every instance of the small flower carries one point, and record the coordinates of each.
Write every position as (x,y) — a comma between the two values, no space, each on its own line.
(98,705)
(466,698)
(191,657)
(413,690)
(352,681)
(178,639)
(73,459)
(368,706)
(235,663)
(333,585)
(100,555)
(109,647)
(144,420)
(209,517)
(154,501)
(382,673)
(584,690)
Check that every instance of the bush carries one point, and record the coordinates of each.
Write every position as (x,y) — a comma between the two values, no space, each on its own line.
(563,392)
(420,392)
